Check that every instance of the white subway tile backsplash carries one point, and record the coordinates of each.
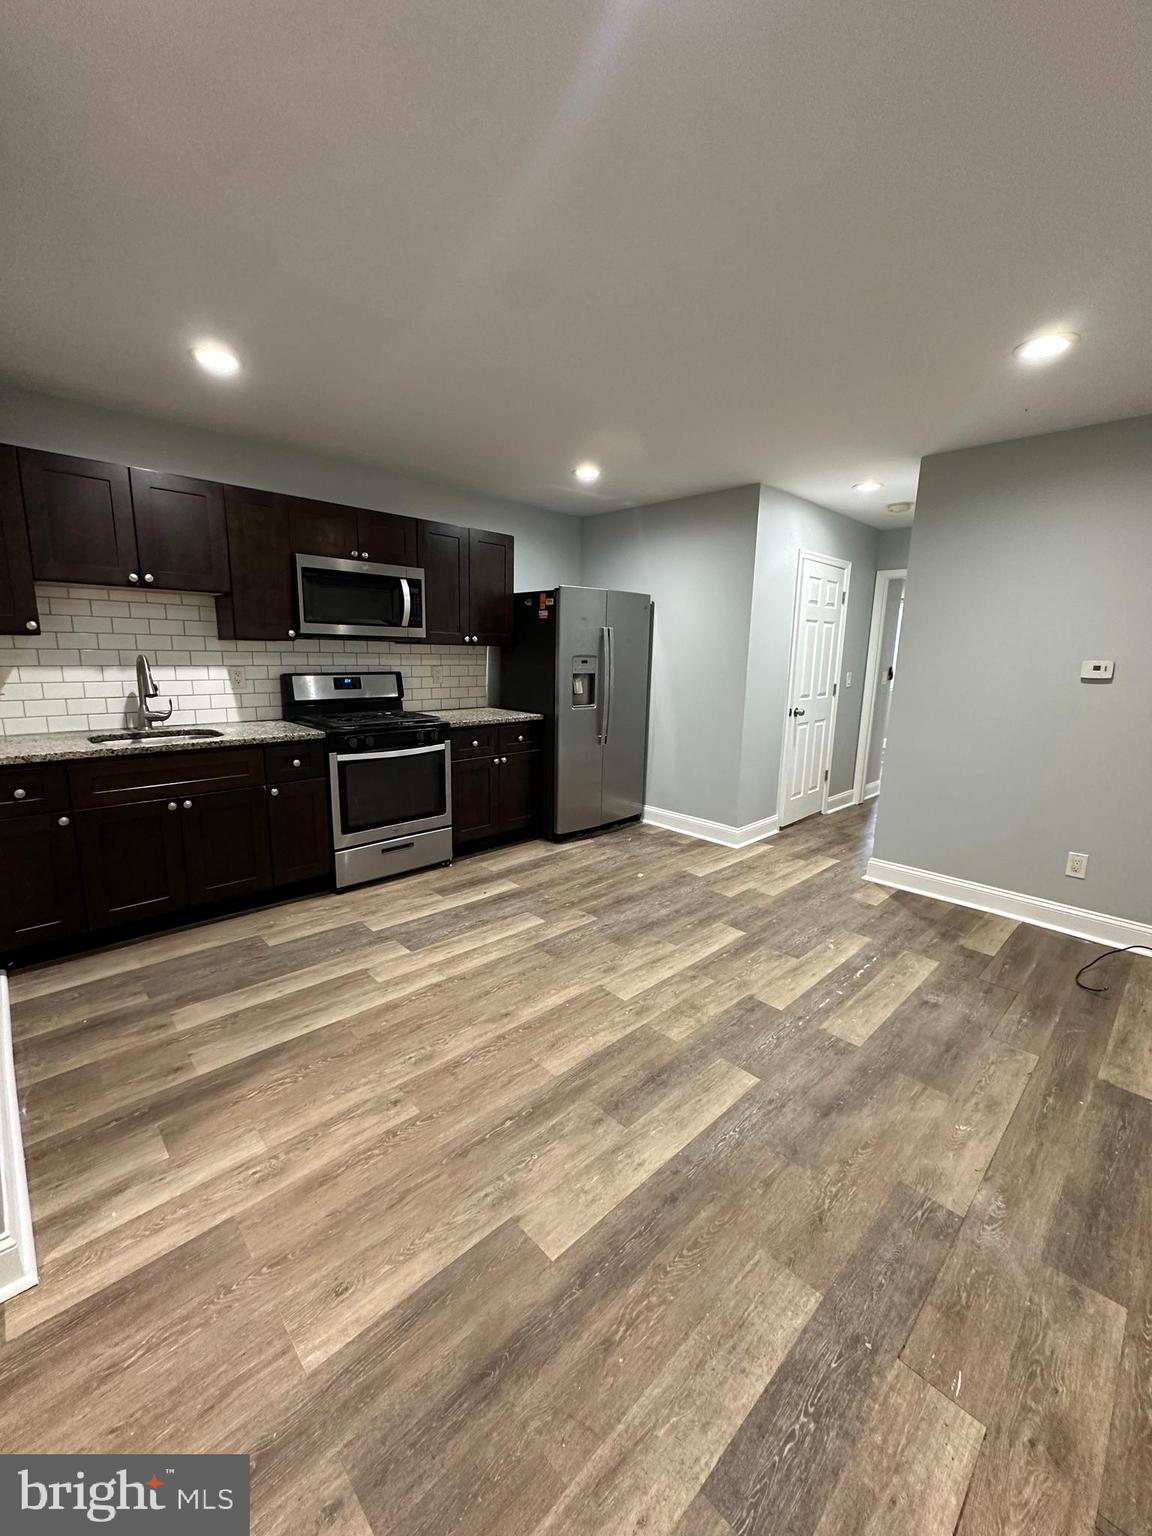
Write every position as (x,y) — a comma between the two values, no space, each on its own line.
(88,680)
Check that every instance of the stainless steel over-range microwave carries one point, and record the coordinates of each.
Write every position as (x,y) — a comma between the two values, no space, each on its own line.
(354,597)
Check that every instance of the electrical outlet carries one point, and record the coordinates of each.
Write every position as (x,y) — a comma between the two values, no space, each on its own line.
(1077,866)
(237,679)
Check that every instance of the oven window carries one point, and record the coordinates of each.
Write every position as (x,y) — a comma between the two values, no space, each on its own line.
(346,597)
(384,791)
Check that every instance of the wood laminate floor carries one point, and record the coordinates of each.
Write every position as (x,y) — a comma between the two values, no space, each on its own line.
(633,1185)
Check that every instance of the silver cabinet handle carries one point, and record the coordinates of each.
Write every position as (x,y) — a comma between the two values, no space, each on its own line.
(31,624)
(407,591)
(149,578)
(519,738)
(475,743)
(355,554)
(363,554)
(172,806)
(296,762)
(291,634)
(64,822)
(467,639)
(475,639)
(187,805)
(19,794)
(273,792)
(132,576)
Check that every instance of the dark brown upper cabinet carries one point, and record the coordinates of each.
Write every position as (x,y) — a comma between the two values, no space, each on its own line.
(443,554)
(321,528)
(18,612)
(351,533)
(80,525)
(104,525)
(387,539)
(180,534)
(490,587)
(260,604)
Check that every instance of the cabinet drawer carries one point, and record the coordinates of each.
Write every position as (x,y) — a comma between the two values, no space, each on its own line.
(159,775)
(522,737)
(39,787)
(295,760)
(475,740)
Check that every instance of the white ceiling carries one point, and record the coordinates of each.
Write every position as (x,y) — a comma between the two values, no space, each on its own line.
(702,241)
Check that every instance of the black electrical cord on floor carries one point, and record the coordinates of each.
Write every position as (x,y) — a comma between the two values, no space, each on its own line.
(1123,950)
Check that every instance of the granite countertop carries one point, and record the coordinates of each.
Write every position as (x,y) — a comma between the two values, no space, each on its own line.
(64,746)
(488,715)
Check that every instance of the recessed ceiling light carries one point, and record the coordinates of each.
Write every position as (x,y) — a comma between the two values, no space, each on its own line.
(215,359)
(868,487)
(899,506)
(1042,349)
(587,473)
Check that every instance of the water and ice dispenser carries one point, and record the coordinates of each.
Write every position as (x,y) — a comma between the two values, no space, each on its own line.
(585,671)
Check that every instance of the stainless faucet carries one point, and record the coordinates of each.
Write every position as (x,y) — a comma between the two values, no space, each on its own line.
(147,688)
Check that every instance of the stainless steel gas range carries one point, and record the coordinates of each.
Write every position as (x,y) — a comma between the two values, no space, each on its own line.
(389,768)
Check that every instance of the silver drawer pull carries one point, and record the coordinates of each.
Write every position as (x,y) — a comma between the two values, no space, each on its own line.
(132,576)
(519,738)
(19,794)
(149,578)
(296,762)
(64,821)
(31,624)
(187,805)
(475,743)
(172,806)
(291,634)
(273,791)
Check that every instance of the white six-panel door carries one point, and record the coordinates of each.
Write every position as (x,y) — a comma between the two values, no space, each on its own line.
(816,642)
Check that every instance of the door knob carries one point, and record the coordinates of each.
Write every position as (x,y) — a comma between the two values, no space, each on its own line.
(798,713)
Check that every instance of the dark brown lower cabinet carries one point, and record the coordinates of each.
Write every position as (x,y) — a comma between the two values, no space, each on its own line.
(132,862)
(493,797)
(227,851)
(475,803)
(40,894)
(301,835)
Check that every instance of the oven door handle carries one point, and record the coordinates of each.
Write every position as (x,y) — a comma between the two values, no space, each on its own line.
(406,616)
(369,757)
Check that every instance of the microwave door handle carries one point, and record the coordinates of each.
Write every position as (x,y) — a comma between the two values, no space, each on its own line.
(406,616)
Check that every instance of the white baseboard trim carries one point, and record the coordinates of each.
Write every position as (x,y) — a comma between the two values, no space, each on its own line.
(872,790)
(840,802)
(711,831)
(17,1254)
(1098,927)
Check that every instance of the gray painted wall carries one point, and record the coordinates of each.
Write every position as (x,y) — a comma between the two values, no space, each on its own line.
(695,556)
(1031,556)
(892,549)
(547,543)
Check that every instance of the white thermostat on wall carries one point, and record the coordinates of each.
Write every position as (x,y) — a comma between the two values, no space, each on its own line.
(1097,671)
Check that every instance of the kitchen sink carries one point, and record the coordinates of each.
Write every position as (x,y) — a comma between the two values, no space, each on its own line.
(154,733)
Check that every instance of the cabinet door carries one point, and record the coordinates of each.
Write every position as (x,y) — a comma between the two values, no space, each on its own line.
(519,803)
(386,539)
(301,831)
(261,603)
(40,894)
(80,523)
(322,528)
(226,847)
(443,552)
(181,539)
(475,805)
(490,586)
(18,613)
(132,862)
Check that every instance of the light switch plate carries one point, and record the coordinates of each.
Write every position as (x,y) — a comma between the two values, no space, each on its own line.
(1097,671)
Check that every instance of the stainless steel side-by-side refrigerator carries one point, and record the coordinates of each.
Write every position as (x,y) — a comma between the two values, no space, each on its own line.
(581,657)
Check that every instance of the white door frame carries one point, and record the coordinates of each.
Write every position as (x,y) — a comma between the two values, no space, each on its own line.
(846,567)
(880,596)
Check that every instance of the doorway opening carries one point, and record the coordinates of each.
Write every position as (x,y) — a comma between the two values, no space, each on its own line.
(879,682)
(813,685)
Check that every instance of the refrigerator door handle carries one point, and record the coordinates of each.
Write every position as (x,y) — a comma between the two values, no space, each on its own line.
(610,679)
